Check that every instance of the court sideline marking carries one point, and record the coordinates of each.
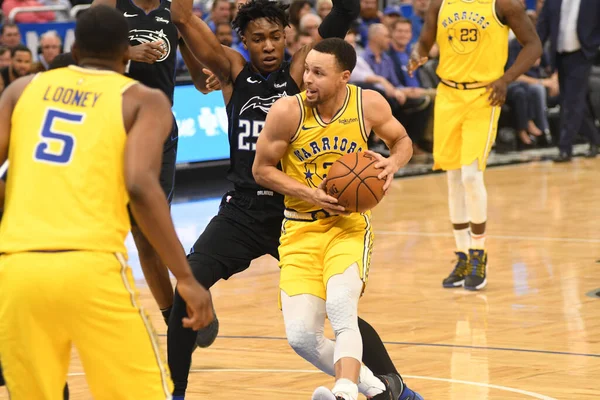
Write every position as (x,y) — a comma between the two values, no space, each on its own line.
(427,378)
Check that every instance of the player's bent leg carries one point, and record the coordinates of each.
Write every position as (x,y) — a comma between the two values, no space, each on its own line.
(155,272)
(304,318)
(476,200)
(117,345)
(35,347)
(343,293)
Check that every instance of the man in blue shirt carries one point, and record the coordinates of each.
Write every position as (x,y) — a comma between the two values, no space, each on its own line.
(413,108)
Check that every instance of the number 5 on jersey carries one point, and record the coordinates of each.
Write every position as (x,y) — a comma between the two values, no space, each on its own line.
(56,146)
(251,128)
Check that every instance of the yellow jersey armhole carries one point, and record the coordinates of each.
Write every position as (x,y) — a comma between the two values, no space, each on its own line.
(128,85)
(441,7)
(299,128)
(496,17)
(360,113)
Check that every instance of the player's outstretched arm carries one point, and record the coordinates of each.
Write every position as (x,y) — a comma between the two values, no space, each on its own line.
(513,12)
(147,129)
(426,40)
(386,126)
(280,127)
(200,40)
(336,24)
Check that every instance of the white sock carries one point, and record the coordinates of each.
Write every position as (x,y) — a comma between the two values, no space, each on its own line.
(477,241)
(463,238)
(369,384)
(345,388)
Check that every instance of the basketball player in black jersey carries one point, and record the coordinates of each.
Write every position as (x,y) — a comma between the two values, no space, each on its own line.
(153,42)
(249,219)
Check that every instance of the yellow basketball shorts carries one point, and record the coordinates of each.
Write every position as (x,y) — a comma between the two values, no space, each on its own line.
(311,252)
(464,128)
(50,302)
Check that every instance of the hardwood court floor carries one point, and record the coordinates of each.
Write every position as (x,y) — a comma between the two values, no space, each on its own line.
(531,334)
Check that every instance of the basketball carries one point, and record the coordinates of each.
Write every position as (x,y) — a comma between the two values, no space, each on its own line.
(353,180)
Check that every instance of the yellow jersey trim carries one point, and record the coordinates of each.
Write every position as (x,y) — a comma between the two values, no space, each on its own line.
(495,14)
(302,116)
(128,85)
(337,115)
(361,115)
(92,71)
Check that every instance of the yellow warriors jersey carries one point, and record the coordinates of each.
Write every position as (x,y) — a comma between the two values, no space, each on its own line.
(65,188)
(316,145)
(473,42)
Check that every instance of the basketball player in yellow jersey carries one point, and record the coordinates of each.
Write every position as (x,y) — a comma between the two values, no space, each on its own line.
(472,36)
(325,251)
(82,142)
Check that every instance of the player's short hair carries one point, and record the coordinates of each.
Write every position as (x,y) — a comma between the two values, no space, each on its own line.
(344,53)
(272,11)
(19,47)
(101,32)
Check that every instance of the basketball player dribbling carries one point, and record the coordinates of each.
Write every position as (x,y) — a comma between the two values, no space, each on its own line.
(248,224)
(472,36)
(325,256)
(93,140)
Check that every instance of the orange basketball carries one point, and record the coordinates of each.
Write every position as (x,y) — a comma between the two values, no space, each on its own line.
(353,180)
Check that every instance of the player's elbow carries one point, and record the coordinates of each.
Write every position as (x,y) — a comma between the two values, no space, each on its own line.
(138,184)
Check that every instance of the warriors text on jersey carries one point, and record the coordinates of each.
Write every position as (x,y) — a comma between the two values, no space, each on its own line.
(316,145)
(253,95)
(473,42)
(66,187)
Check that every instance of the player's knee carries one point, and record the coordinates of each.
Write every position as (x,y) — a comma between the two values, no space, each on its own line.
(304,341)
(472,178)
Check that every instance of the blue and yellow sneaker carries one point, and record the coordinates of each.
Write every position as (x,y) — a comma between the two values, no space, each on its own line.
(476,278)
(457,276)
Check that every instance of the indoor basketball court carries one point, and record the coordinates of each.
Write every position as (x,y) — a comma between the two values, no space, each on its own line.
(533,333)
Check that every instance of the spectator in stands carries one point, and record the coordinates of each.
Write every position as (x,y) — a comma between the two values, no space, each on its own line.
(400,53)
(220,12)
(224,33)
(369,14)
(27,17)
(4,56)
(11,37)
(297,10)
(391,14)
(324,8)
(415,111)
(418,18)
(20,65)
(573,28)
(50,46)
(301,39)
(309,23)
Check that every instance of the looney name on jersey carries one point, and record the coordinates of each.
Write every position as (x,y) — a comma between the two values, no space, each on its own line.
(466,16)
(326,144)
(72,97)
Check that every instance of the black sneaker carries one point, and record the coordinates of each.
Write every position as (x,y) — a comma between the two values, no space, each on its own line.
(457,276)
(393,387)
(476,271)
(207,335)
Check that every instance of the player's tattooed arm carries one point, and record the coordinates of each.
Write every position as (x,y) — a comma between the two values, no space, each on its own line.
(279,130)
(336,24)
(426,40)
(379,119)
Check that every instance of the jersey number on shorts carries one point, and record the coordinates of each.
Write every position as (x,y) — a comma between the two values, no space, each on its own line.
(251,128)
(65,141)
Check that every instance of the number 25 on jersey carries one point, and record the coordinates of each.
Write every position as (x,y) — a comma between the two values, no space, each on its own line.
(56,146)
